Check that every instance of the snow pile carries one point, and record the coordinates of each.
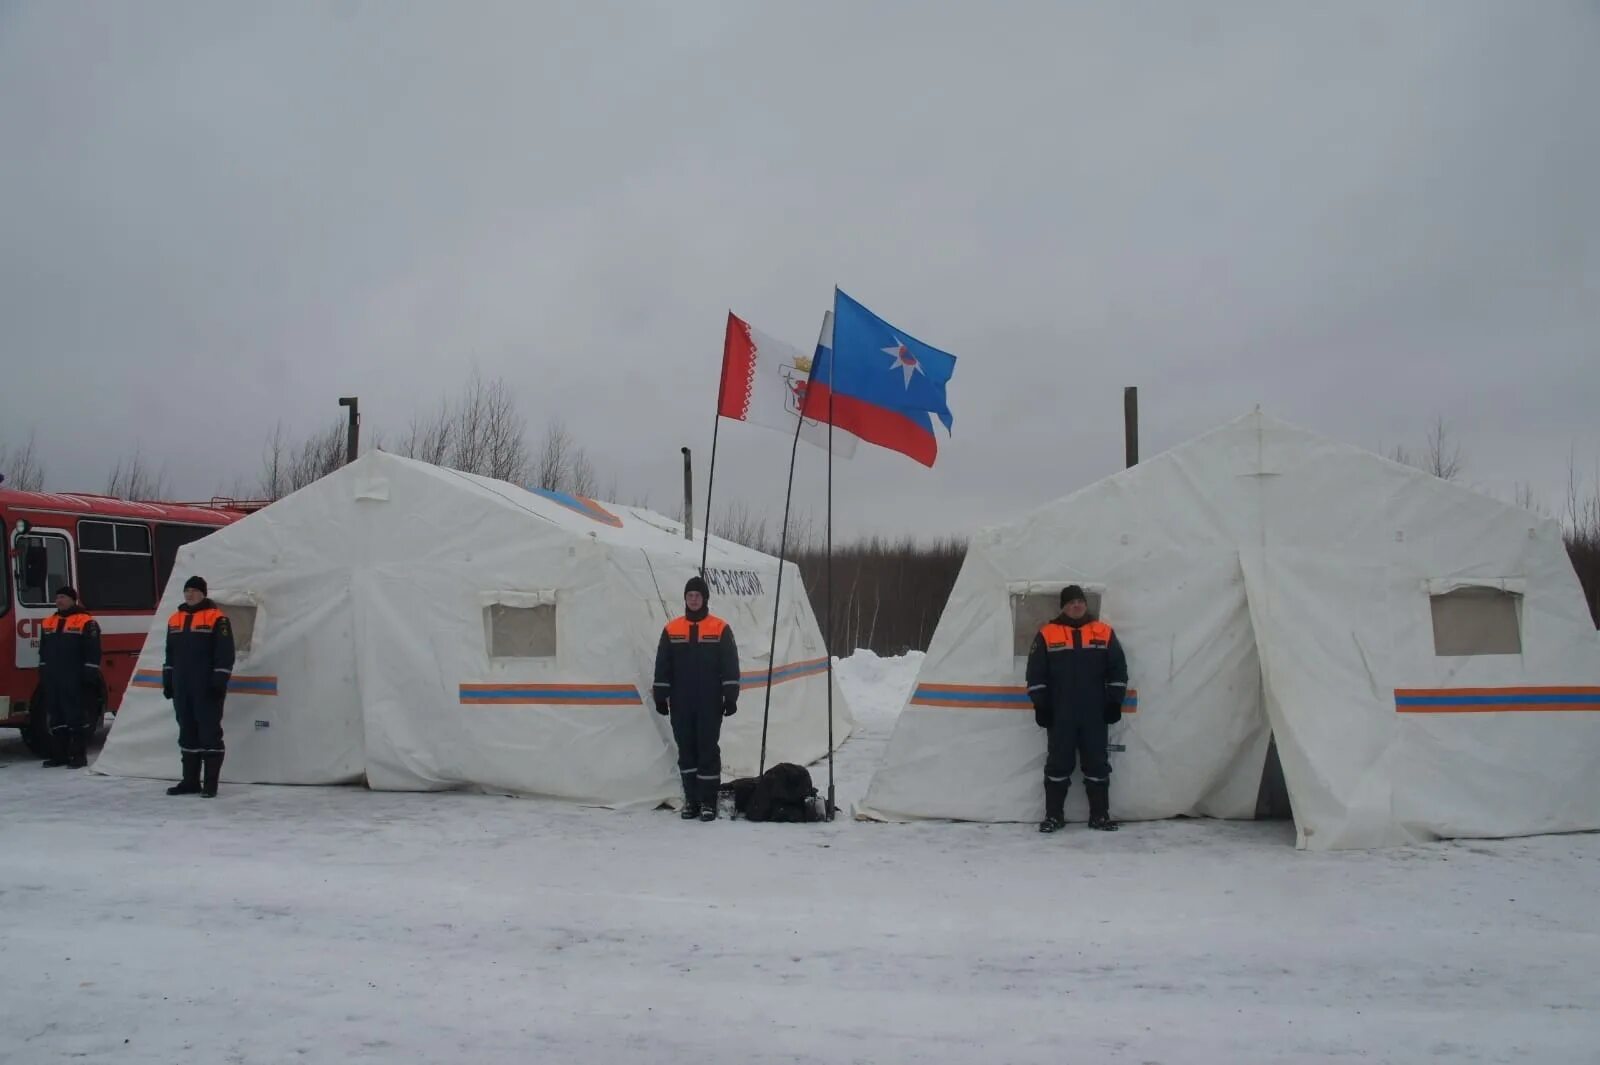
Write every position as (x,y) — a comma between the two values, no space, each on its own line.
(877,687)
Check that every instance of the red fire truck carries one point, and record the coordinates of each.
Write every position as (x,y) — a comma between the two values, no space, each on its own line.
(118,554)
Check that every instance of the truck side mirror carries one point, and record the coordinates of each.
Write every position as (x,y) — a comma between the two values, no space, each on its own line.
(35,566)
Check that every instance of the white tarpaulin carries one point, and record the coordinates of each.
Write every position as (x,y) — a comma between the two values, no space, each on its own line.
(420,628)
(1421,653)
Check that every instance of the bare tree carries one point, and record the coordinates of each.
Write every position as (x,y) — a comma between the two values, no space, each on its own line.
(562,464)
(481,432)
(1524,497)
(133,478)
(1441,456)
(429,438)
(1582,521)
(743,526)
(287,467)
(584,479)
(21,466)
(552,468)
(237,488)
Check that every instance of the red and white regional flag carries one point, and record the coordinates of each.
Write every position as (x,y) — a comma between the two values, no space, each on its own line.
(764,383)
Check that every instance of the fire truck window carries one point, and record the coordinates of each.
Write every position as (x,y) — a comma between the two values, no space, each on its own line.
(97,536)
(44,569)
(168,539)
(121,576)
(133,539)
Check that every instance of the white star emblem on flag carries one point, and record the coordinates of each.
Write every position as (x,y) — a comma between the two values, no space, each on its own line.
(903,359)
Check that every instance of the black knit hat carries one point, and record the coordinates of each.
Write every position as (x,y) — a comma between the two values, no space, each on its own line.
(1071,592)
(69,591)
(197,583)
(697,583)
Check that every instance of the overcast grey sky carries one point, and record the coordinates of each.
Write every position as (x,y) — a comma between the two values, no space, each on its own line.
(216,216)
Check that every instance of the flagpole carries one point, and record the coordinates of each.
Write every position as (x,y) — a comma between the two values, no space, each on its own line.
(777,595)
(827,639)
(711,475)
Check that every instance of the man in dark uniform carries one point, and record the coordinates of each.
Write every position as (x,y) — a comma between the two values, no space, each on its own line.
(198,667)
(69,676)
(697,685)
(1077,677)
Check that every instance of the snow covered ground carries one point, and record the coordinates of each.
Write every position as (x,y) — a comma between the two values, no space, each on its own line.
(338,925)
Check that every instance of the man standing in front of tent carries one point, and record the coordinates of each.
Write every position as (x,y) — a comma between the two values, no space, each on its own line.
(697,685)
(1077,677)
(195,677)
(69,672)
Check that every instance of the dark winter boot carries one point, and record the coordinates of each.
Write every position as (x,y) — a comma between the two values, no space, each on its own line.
(58,752)
(691,809)
(709,790)
(190,784)
(77,757)
(1100,806)
(1055,805)
(213,770)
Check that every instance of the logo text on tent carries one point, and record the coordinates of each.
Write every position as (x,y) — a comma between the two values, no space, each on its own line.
(734,581)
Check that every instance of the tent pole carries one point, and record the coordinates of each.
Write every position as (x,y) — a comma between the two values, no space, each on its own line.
(777,595)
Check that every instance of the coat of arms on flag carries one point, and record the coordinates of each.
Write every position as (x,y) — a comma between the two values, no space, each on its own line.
(764,382)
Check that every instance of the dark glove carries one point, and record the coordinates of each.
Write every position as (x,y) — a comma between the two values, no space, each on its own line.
(219,684)
(661,706)
(730,706)
(1113,710)
(166,688)
(1041,708)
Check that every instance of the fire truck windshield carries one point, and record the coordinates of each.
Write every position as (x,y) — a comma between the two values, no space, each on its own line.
(42,562)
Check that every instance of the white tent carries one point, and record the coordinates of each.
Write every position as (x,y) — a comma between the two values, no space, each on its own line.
(1421,653)
(420,628)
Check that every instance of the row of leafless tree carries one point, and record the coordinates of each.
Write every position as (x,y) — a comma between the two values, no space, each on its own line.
(479,430)
(1579,512)
(886,595)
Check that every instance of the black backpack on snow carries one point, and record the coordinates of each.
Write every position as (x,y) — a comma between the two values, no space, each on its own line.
(782,793)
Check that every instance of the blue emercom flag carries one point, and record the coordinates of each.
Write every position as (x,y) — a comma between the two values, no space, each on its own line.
(882,366)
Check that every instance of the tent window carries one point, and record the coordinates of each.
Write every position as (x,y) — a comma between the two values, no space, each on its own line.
(522,632)
(242,616)
(1030,612)
(1476,621)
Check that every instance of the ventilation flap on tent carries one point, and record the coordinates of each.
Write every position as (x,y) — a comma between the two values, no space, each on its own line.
(242,619)
(522,600)
(520,624)
(243,609)
(1476,621)
(1035,602)
(1446,585)
(375,489)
